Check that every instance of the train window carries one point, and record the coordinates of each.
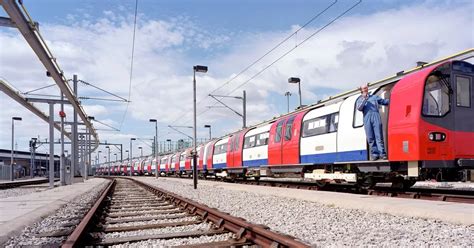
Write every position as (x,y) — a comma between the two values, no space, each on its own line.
(463,92)
(220,149)
(249,141)
(333,122)
(315,126)
(358,120)
(278,132)
(436,97)
(289,128)
(262,139)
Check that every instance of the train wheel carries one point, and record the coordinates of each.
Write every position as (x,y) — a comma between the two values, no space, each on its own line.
(408,183)
(321,184)
(367,183)
(400,183)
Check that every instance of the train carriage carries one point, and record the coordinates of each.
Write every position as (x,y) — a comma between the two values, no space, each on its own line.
(436,105)
(125,168)
(154,170)
(219,157)
(164,165)
(208,157)
(255,149)
(146,166)
(200,153)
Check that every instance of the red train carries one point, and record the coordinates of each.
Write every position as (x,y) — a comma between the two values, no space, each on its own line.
(428,131)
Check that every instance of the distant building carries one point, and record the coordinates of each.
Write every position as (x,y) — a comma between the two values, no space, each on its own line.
(22,162)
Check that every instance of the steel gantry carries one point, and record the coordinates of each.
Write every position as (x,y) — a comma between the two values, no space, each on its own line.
(19,18)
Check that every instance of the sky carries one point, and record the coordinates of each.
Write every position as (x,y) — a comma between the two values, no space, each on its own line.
(93,39)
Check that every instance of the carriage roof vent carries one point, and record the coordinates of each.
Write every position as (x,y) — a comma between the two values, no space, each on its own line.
(421,63)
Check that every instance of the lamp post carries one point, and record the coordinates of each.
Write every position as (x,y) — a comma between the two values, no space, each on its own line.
(131,154)
(98,156)
(209,126)
(169,144)
(156,146)
(288,94)
(108,162)
(203,69)
(295,80)
(127,158)
(141,151)
(12,175)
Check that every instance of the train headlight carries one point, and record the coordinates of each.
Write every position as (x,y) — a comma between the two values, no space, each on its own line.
(437,136)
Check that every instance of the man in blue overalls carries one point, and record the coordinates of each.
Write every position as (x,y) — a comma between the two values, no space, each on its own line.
(369,105)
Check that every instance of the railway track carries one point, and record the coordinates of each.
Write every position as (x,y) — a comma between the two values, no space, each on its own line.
(130,211)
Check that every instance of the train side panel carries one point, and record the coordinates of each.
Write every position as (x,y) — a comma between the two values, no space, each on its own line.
(319,135)
(351,140)
(255,151)
(219,158)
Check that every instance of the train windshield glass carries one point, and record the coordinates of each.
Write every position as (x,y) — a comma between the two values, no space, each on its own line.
(436,97)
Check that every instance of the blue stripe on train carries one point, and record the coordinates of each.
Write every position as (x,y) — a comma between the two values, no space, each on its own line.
(219,166)
(332,157)
(255,163)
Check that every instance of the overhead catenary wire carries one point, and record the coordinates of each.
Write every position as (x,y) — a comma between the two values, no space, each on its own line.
(288,52)
(296,46)
(103,90)
(265,54)
(131,65)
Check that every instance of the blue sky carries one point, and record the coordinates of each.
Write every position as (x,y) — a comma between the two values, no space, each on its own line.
(93,39)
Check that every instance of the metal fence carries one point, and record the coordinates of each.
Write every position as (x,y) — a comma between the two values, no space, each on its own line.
(5,171)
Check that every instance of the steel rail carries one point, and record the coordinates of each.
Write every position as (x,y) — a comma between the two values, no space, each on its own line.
(32,36)
(459,196)
(258,234)
(79,231)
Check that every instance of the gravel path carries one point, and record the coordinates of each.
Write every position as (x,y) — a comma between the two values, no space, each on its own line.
(61,220)
(323,225)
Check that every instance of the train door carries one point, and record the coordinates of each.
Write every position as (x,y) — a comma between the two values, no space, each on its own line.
(351,139)
(275,154)
(238,148)
(462,79)
(231,150)
(384,92)
(290,148)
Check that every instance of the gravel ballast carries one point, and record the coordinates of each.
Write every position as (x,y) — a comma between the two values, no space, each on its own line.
(14,192)
(63,219)
(164,230)
(324,225)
